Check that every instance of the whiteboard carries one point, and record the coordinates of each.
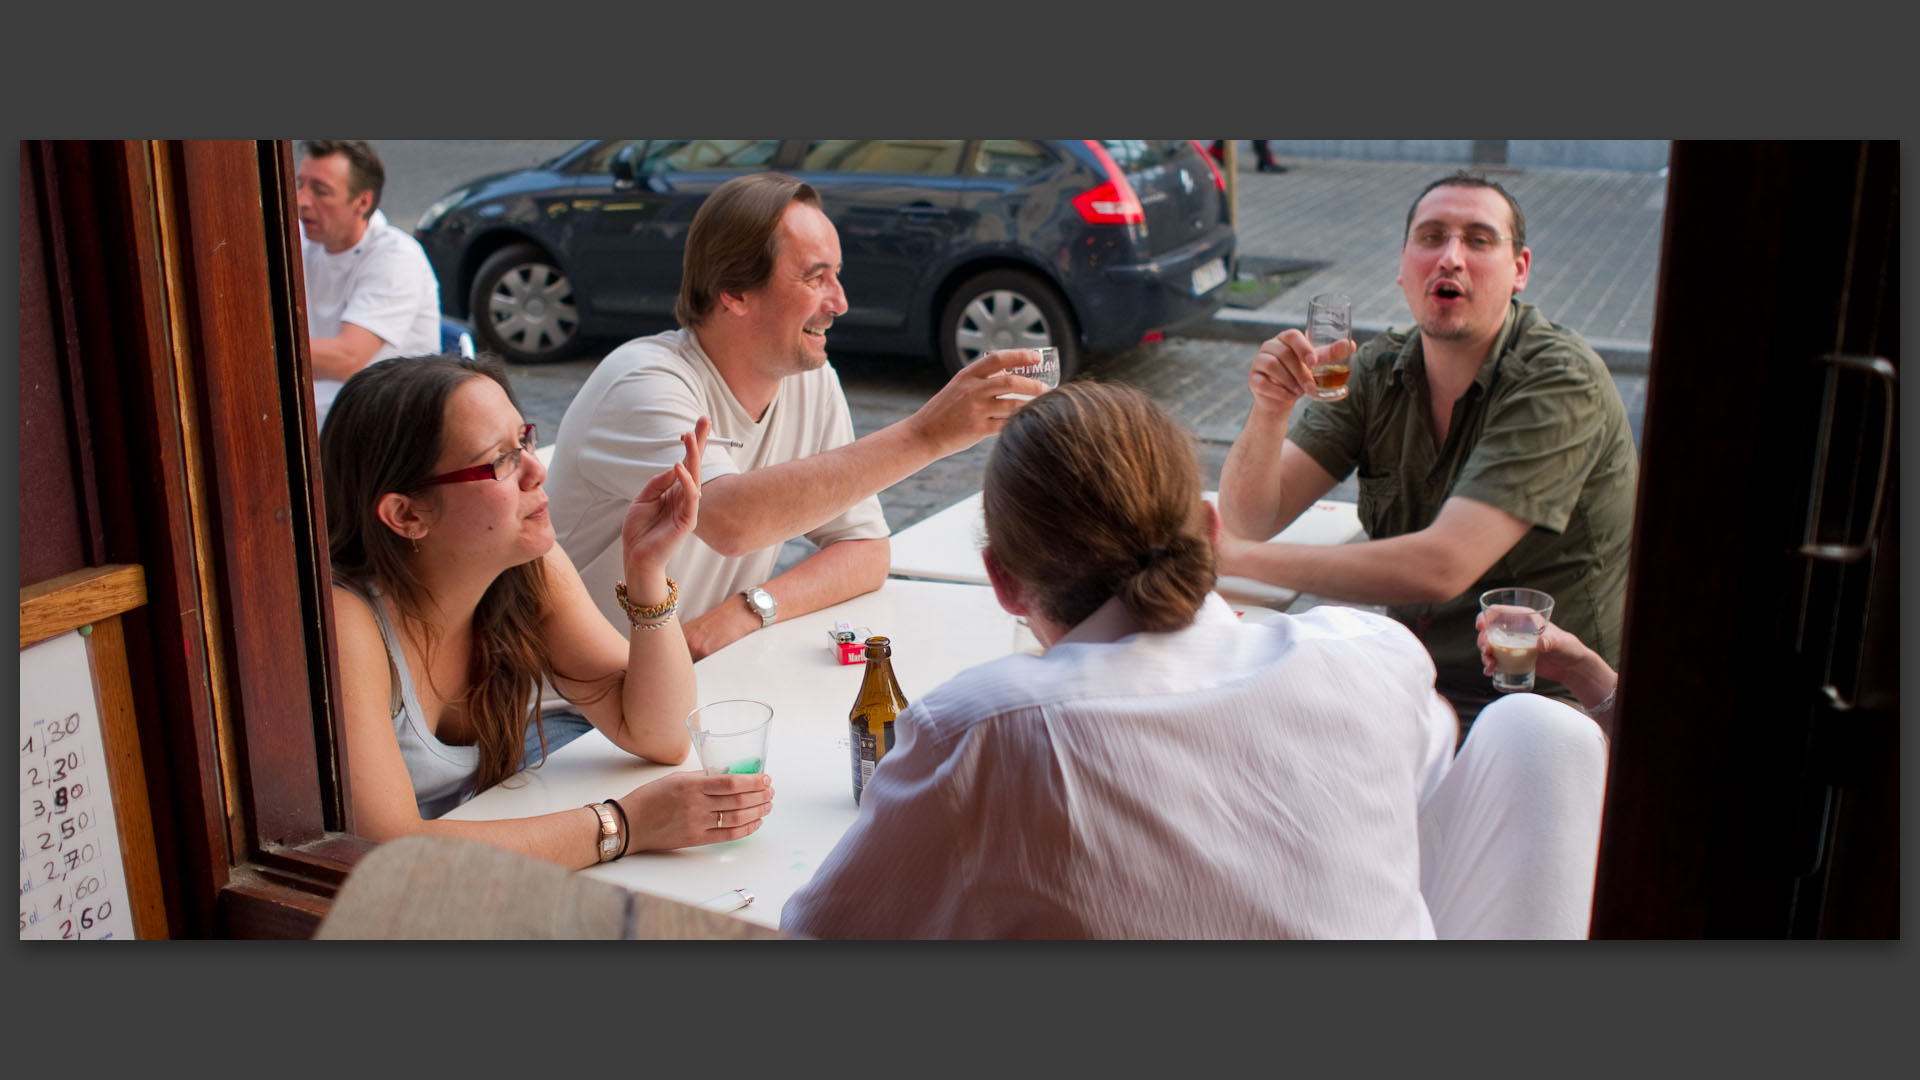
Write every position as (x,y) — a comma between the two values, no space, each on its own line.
(72,883)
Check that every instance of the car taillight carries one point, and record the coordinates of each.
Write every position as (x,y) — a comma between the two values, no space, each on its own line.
(1112,203)
(1219,181)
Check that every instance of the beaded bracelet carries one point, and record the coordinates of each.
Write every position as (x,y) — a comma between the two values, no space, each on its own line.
(654,616)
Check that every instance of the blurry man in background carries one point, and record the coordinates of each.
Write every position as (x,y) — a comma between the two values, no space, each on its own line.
(371,293)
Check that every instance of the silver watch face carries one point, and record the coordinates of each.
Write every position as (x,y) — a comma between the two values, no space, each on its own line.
(762,602)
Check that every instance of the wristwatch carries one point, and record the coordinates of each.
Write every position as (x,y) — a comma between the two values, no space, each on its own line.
(761,601)
(609,848)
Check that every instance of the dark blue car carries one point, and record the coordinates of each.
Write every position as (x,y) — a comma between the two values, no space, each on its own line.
(952,247)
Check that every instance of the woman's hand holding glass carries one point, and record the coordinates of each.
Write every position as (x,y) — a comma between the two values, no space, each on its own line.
(1563,658)
(685,809)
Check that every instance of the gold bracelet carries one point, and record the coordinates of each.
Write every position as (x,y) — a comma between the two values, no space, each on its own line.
(640,616)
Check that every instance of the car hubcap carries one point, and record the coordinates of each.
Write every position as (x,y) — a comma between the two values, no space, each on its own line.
(1000,319)
(531,308)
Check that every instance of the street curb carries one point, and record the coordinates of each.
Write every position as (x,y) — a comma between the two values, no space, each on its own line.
(1622,357)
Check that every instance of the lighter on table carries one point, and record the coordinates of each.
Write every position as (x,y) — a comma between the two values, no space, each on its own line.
(731,900)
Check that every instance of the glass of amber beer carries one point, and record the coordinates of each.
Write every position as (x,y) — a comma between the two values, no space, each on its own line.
(1329,320)
(1515,620)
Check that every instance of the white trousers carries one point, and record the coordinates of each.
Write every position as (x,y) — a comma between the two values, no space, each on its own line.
(1510,836)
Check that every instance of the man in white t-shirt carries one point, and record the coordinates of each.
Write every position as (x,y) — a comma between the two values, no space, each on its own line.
(759,288)
(371,293)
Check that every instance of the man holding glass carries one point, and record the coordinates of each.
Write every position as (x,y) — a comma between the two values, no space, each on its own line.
(1492,449)
(759,289)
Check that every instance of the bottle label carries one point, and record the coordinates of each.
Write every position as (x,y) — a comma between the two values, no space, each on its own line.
(865,757)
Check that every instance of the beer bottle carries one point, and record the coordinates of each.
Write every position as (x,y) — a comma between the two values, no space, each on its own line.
(871,721)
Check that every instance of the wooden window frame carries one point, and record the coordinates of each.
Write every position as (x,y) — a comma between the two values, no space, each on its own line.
(179,261)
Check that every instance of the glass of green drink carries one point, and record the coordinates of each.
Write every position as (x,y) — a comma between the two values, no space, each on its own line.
(731,736)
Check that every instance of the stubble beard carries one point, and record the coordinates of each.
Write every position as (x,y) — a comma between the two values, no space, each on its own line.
(806,358)
(1441,327)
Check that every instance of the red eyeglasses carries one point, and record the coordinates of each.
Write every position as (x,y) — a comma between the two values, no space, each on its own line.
(500,468)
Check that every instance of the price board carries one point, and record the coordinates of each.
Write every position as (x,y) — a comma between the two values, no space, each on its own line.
(72,882)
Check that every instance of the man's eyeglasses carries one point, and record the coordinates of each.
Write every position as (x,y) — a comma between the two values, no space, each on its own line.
(500,468)
(1478,241)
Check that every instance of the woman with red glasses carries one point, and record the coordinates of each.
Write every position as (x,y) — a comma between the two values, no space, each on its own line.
(453,604)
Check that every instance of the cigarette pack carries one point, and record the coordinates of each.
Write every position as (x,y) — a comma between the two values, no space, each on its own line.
(849,645)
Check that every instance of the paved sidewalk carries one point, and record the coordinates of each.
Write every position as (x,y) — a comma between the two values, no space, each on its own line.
(1595,236)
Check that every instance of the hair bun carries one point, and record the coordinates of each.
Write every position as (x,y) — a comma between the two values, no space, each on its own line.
(1150,556)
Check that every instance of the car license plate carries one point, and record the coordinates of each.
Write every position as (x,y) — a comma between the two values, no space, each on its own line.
(1209,276)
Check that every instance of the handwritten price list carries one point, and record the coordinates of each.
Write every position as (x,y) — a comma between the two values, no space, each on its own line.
(71,882)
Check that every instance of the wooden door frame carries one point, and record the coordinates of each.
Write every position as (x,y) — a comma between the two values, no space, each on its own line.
(1775,255)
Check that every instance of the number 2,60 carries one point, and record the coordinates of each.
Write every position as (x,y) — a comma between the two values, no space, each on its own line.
(88,917)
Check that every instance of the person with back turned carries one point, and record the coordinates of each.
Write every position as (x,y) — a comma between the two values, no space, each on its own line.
(1161,770)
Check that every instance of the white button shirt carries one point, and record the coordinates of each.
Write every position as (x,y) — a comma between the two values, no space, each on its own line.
(1221,781)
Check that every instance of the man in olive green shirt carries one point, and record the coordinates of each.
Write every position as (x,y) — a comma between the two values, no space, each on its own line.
(1492,449)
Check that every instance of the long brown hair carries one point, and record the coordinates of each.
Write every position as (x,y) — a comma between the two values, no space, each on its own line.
(1093,491)
(383,434)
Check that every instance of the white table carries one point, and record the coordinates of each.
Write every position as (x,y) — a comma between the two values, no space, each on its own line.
(946,547)
(937,629)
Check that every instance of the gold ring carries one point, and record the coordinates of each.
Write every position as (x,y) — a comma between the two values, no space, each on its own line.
(716,820)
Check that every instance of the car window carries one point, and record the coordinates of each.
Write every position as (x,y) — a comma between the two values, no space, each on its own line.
(1133,155)
(1009,158)
(918,157)
(600,158)
(708,155)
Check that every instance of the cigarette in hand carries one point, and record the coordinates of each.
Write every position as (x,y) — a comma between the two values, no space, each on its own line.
(724,441)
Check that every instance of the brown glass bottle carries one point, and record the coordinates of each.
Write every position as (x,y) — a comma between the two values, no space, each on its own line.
(870,733)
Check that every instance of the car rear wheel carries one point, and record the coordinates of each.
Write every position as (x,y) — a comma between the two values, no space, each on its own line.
(523,306)
(1006,309)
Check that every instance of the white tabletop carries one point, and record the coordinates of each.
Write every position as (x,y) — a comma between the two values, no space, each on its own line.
(946,547)
(937,630)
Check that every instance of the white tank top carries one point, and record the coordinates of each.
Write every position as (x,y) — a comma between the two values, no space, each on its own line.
(442,775)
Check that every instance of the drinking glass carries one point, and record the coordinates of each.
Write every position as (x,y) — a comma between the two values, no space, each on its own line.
(1329,320)
(1515,619)
(1047,371)
(731,736)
